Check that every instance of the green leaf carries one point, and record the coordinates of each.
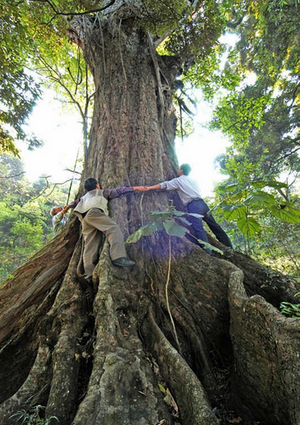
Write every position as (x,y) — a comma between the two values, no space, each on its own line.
(183,219)
(178,213)
(248,226)
(168,400)
(159,215)
(200,216)
(174,229)
(271,183)
(161,388)
(229,187)
(260,198)
(145,230)
(234,212)
(208,245)
(286,212)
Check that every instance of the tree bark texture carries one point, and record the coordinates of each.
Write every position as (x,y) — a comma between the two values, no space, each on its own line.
(143,346)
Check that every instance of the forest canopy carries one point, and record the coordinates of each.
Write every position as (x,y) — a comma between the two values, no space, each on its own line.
(260,118)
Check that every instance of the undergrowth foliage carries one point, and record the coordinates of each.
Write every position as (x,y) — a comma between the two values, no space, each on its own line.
(291,309)
(34,416)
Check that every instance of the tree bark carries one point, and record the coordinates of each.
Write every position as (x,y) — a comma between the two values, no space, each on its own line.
(130,355)
(266,355)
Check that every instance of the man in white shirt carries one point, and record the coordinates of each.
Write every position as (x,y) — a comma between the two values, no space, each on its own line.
(58,218)
(190,195)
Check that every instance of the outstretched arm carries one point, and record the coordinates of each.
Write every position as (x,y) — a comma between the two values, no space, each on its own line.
(114,193)
(140,188)
(155,187)
(167,185)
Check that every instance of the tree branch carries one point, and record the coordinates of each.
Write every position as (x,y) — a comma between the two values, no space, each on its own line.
(288,154)
(73,171)
(87,12)
(12,176)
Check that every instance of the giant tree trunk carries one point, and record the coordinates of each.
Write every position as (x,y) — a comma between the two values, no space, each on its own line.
(175,340)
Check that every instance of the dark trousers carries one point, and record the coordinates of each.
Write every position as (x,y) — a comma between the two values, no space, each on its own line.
(200,207)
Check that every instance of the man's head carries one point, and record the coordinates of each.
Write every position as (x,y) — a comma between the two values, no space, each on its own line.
(91,184)
(55,210)
(184,169)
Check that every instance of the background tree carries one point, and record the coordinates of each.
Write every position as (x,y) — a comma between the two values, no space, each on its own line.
(227,349)
(25,222)
(260,114)
(71,80)
(18,89)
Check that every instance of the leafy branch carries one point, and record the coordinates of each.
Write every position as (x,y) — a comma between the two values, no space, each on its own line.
(168,221)
(245,204)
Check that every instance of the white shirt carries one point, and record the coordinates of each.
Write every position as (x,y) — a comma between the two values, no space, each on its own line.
(187,188)
(58,222)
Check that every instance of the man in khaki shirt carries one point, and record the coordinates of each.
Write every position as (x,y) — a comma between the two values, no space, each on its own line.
(92,211)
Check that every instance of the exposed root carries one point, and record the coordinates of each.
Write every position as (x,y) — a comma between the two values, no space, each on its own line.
(22,347)
(185,386)
(266,355)
(122,389)
(70,320)
(260,279)
(34,389)
(34,280)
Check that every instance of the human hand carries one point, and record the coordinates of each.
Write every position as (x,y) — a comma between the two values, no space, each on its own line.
(65,209)
(140,188)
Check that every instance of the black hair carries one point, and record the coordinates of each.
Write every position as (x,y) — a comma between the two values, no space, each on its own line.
(90,184)
(186,169)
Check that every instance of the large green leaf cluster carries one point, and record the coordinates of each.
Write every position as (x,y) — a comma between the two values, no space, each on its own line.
(239,204)
(262,222)
(260,114)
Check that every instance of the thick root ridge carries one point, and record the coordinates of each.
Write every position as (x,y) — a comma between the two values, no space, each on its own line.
(184,384)
(33,390)
(70,318)
(266,357)
(122,389)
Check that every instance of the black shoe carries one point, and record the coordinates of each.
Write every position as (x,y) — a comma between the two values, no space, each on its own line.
(123,262)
